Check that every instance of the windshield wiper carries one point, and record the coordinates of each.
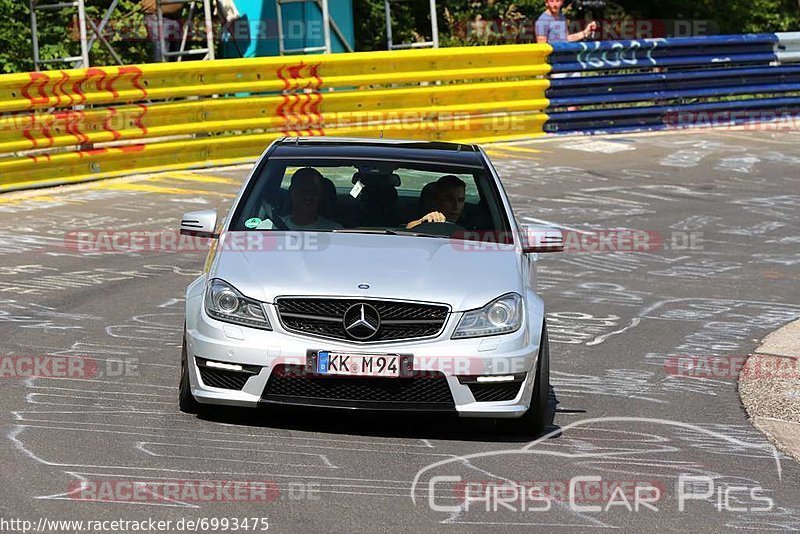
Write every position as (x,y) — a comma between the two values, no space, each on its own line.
(386,231)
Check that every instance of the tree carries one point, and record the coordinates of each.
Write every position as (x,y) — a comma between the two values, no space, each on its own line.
(461,23)
(15,35)
(59,36)
(730,16)
(479,22)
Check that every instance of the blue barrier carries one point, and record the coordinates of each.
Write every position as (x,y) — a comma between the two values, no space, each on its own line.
(610,84)
(648,83)
(671,116)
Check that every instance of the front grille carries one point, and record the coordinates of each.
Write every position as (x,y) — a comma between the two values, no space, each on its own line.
(290,384)
(221,378)
(398,320)
(492,392)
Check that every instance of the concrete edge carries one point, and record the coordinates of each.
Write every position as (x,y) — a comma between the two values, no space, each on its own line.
(769,388)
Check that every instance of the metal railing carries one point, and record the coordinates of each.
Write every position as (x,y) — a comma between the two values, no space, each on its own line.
(76,125)
(660,83)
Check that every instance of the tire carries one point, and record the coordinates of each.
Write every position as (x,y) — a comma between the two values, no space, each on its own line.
(186,401)
(535,420)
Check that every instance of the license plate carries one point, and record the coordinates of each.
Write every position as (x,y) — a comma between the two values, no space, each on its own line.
(338,363)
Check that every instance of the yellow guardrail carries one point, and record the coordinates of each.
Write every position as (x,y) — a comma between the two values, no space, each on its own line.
(74,125)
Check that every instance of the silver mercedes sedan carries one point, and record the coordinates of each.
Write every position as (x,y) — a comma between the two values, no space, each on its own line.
(370,274)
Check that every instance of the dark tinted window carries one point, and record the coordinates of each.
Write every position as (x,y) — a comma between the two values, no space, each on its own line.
(331,194)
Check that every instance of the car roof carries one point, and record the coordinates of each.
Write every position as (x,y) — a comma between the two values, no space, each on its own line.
(390,149)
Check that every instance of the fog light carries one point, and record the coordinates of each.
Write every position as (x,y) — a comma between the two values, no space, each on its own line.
(498,378)
(226,366)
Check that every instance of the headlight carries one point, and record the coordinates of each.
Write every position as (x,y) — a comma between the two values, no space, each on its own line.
(225,303)
(500,316)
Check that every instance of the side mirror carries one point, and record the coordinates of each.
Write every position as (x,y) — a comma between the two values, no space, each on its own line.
(200,224)
(541,239)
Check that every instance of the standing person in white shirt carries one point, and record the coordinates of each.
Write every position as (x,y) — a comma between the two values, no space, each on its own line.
(551,26)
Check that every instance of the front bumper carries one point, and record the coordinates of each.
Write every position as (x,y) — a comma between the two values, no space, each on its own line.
(264,354)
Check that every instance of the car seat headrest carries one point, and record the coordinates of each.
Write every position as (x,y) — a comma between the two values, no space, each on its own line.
(427,198)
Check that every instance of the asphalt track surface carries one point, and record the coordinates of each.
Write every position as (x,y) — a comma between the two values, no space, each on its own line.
(726,206)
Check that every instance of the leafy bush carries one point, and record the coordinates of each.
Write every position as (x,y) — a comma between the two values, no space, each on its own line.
(461,23)
(486,22)
(59,35)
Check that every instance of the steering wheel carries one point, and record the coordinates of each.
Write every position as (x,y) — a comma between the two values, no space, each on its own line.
(439,228)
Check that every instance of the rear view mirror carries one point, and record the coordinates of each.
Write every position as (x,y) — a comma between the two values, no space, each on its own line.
(200,224)
(537,239)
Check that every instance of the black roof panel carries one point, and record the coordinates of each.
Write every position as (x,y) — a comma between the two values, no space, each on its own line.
(390,149)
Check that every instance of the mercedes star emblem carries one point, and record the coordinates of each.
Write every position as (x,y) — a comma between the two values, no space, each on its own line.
(361,321)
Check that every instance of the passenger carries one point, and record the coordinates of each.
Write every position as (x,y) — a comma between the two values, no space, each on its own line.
(306,192)
(450,195)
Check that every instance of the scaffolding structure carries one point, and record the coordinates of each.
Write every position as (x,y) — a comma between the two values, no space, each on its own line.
(433,43)
(84,23)
(193,19)
(199,11)
(189,23)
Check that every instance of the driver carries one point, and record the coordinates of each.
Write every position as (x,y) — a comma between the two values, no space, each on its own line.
(449,197)
(306,193)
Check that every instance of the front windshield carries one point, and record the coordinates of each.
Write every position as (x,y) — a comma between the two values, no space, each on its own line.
(372,196)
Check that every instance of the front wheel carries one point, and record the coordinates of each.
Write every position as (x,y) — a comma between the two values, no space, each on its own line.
(534,421)
(186,401)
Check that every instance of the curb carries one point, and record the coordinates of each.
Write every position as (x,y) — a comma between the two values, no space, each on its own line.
(769,387)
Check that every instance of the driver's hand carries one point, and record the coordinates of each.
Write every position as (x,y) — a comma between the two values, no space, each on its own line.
(432,217)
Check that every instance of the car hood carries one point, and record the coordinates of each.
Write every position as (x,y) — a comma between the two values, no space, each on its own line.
(465,275)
